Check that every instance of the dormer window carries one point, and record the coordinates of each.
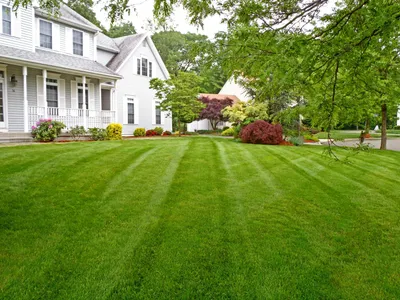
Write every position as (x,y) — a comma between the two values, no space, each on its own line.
(6,15)
(78,42)
(46,34)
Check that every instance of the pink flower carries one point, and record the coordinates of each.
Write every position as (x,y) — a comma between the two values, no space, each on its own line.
(33,127)
(50,126)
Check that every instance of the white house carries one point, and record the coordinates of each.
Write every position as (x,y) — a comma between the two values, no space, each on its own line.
(56,68)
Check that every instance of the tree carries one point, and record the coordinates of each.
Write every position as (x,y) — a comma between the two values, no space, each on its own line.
(84,8)
(243,113)
(213,110)
(178,96)
(121,29)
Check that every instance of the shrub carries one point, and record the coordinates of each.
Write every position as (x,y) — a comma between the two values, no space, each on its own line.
(114,131)
(209,131)
(310,137)
(262,132)
(296,140)
(167,132)
(151,132)
(139,132)
(159,130)
(98,134)
(225,128)
(47,130)
(77,132)
(228,132)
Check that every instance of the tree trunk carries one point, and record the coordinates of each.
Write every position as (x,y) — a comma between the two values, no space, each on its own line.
(179,127)
(367,125)
(384,125)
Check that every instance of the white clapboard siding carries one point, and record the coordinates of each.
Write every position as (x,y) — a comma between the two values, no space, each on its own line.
(56,37)
(125,110)
(163,115)
(61,97)
(74,98)
(153,113)
(68,40)
(92,102)
(40,91)
(16,23)
(37,37)
(136,111)
(86,44)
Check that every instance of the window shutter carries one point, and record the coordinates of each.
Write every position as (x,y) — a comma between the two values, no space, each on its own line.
(56,37)
(153,115)
(136,111)
(61,97)
(37,38)
(74,98)
(125,111)
(92,102)
(40,91)
(16,23)
(86,44)
(68,40)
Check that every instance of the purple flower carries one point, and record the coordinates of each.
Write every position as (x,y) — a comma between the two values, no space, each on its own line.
(33,127)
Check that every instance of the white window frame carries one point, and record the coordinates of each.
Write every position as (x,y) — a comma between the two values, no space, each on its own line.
(58,89)
(157,103)
(131,100)
(2,20)
(52,40)
(4,125)
(83,42)
(88,93)
(147,66)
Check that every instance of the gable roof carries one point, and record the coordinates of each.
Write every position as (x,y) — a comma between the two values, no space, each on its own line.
(70,17)
(126,46)
(53,60)
(106,43)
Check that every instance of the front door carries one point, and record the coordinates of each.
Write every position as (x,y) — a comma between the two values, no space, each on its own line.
(2,108)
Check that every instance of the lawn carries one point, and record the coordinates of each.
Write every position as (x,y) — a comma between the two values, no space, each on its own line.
(197,218)
(352,134)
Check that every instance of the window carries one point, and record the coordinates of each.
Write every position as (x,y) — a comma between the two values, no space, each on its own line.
(78,42)
(144,66)
(158,113)
(150,69)
(80,96)
(52,92)
(46,34)
(131,111)
(6,20)
(138,66)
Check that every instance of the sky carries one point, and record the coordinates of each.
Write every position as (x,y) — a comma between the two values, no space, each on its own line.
(144,11)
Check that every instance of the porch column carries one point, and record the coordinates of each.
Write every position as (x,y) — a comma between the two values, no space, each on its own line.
(84,102)
(45,92)
(26,113)
(115,102)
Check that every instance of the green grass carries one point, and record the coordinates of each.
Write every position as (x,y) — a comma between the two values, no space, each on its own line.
(351,134)
(197,218)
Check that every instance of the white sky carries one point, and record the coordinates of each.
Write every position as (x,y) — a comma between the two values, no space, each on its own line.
(144,11)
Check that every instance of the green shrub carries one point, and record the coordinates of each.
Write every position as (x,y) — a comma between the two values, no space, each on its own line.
(114,131)
(139,132)
(228,132)
(209,131)
(296,140)
(98,134)
(159,130)
(77,132)
(47,130)
(311,137)
(225,128)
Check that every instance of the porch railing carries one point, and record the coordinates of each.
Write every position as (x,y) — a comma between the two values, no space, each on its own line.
(72,117)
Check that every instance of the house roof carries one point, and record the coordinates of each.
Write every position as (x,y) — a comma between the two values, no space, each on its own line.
(57,60)
(221,97)
(126,45)
(69,16)
(106,43)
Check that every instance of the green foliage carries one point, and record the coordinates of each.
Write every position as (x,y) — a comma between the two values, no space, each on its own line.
(139,132)
(217,131)
(47,130)
(310,137)
(77,132)
(98,134)
(159,130)
(296,140)
(121,29)
(85,9)
(114,131)
(246,112)
(178,95)
(228,132)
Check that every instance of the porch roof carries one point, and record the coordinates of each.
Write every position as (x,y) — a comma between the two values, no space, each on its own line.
(51,60)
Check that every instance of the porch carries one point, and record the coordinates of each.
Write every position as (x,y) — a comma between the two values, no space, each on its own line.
(72,117)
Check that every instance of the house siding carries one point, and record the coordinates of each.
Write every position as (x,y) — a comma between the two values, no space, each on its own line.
(26,39)
(104,57)
(139,86)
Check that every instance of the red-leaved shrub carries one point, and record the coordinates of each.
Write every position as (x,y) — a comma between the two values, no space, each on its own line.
(167,133)
(151,132)
(261,132)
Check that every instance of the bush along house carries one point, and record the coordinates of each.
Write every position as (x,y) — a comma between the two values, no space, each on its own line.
(63,68)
